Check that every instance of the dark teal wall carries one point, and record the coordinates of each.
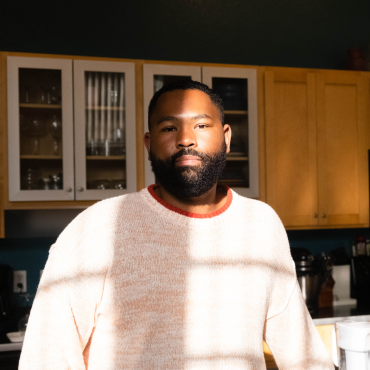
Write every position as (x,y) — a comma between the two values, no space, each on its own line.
(28,254)
(296,33)
(293,33)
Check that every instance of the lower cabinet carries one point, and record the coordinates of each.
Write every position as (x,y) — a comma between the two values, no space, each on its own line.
(9,360)
(317,147)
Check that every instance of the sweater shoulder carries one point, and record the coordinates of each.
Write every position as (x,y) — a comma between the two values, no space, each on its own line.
(94,231)
(257,210)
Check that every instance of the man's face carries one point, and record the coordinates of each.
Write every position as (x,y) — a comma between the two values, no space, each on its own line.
(187,144)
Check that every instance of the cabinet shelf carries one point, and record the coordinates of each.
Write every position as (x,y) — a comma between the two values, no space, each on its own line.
(237,158)
(43,106)
(233,183)
(33,156)
(106,158)
(105,108)
(236,112)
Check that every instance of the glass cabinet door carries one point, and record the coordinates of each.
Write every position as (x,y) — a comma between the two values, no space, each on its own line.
(40,129)
(238,89)
(105,139)
(156,76)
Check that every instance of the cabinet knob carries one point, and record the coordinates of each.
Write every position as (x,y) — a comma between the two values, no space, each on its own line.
(324,215)
(80,188)
(315,215)
(68,190)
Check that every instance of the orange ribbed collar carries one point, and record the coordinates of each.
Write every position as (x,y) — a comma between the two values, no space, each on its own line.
(191,214)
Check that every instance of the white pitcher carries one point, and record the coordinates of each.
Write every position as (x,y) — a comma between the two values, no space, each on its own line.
(351,345)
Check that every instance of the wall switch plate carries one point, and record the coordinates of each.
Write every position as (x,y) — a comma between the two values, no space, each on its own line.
(20,277)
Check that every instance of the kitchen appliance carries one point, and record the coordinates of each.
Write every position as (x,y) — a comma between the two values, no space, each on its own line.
(6,307)
(311,274)
(351,345)
(360,280)
(6,291)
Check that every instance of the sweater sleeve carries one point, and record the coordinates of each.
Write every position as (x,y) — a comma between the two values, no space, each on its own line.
(293,339)
(61,321)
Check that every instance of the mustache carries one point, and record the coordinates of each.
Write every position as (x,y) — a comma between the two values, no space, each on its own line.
(188,151)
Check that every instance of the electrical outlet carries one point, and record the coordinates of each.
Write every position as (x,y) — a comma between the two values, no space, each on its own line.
(20,277)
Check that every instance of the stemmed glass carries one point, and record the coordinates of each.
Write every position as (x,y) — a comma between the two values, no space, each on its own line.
(36,129)
(55,128)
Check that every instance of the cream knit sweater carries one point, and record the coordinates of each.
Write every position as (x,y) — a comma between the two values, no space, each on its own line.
(133,283)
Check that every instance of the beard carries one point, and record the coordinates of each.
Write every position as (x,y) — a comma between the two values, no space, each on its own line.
(188,182)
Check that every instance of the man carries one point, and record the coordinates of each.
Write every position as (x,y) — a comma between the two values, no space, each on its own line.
(184,275)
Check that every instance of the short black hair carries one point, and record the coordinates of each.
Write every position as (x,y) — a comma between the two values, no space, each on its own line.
(183,84)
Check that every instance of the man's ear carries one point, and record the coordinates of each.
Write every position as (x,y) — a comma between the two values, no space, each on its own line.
(147,143)
(227,135)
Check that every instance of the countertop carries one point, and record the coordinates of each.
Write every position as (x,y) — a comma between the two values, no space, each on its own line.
(6,347)
(327,316)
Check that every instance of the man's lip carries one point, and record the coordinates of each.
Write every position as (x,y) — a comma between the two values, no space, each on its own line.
(187,157)
(187,160)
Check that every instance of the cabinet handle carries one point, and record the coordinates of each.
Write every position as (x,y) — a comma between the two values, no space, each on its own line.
(324,215)
(315,215)
(80,188)
(68,190)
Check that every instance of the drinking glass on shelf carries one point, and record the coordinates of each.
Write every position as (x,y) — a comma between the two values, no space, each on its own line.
(42,94)
(56,181)
(30,178)
(100,184)
(53,95)
(36,129)
(118,184)
(55,128)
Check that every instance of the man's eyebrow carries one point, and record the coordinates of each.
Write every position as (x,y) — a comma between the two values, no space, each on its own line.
(173,118)
(199,116)
(167,118)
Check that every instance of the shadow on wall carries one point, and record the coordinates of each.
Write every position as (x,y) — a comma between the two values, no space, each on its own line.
(38,223)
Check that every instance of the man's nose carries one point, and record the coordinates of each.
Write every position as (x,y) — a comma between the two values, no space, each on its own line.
(186,138)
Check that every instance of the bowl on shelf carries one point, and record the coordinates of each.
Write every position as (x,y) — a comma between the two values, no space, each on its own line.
(15,337)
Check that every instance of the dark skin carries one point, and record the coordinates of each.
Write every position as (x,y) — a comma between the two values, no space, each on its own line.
(188,119)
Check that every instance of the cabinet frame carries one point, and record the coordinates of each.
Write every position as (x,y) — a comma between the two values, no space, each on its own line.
(15,192)
(80,67)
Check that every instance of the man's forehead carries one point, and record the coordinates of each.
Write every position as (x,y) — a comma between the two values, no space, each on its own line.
(183,99)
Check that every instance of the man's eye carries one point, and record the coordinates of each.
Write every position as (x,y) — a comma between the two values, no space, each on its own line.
(168,129)
(202,125)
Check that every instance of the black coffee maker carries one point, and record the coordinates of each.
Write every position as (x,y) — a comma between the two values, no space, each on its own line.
(6,293)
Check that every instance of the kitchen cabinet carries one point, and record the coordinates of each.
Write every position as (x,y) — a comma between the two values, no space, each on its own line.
(71,129)
(343,131)
(104,130)
(316,147)
(238,89)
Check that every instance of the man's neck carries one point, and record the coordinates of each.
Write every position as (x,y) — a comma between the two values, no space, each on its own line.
(209,202)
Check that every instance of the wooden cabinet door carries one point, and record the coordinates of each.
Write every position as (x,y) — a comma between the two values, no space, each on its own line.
(291,157)
(342,118)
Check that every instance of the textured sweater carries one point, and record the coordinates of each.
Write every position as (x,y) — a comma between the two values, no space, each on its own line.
(134,283)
